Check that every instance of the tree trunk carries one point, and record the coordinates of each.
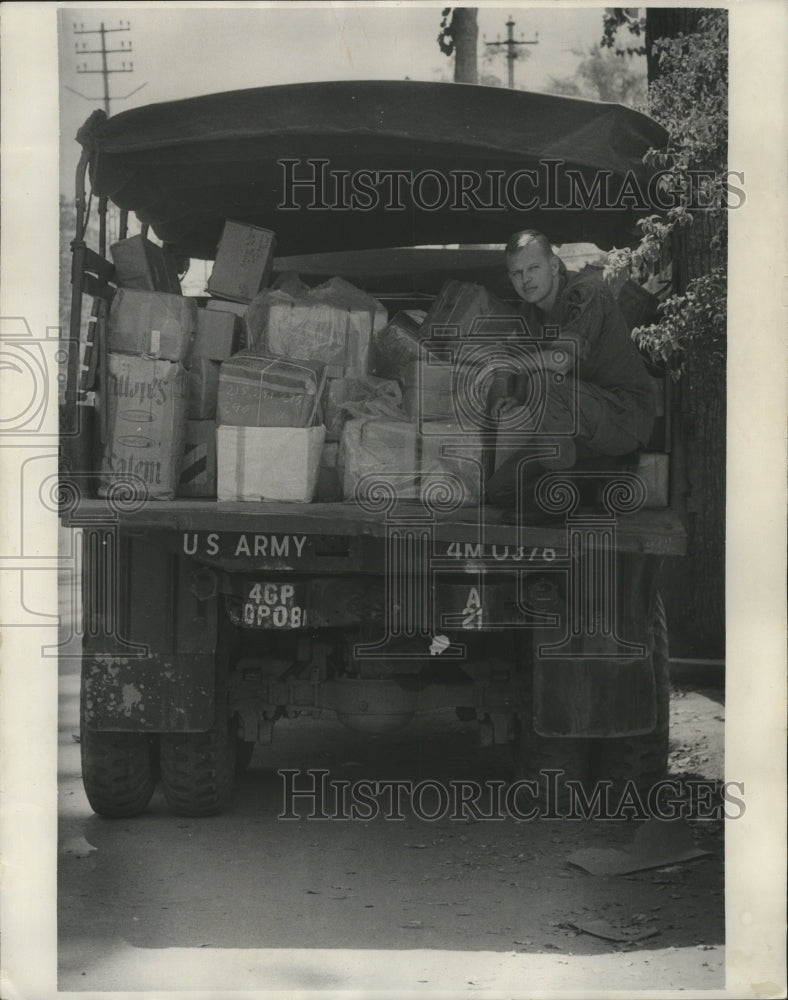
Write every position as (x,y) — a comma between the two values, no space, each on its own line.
(465,33)
(695,585)
(667,22)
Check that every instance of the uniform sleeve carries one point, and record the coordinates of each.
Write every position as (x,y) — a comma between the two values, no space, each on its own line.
(582,315)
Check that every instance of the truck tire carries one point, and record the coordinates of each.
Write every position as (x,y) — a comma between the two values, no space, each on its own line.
(198,770)
(642,759)
(534,755)
(118,772)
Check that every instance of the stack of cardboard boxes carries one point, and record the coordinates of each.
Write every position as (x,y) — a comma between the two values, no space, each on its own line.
(438,445)
(160,382)
(289,392)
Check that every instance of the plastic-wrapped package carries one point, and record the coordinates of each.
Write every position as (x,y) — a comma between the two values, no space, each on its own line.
(459,308)
(257,390)
(332,323)
(359,396)
(397,344)
(386,448)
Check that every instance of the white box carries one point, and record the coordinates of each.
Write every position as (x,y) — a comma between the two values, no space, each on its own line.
(268,463)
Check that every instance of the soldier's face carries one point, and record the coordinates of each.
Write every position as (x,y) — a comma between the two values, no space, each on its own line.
(533,273)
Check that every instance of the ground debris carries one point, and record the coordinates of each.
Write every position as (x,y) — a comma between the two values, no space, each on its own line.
(655,845)
(622,932)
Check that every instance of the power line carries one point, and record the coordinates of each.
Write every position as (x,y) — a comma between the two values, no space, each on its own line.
(511,47)
(106,69)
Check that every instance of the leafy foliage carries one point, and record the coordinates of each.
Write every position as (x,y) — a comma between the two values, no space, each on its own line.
(601,76)
(690,324)
(446,35)
(690,99)
(628,17)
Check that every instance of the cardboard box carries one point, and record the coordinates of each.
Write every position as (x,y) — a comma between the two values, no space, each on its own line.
(268,463)
(203,389)
(244,260)
(257,390)
(218,334)
(222,305)
(142,265)
(146,402)
(151,324)
(447,450)
(387,449)
(198,474)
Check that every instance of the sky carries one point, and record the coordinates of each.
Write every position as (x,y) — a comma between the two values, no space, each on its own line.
(180,51)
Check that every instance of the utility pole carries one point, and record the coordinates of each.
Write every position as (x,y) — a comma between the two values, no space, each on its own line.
(511,47)
(103,51)
(109,219)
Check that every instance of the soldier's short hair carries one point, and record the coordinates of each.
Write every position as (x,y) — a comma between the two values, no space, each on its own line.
(517,241)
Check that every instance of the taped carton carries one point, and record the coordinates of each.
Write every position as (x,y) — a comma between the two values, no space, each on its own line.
(257,390)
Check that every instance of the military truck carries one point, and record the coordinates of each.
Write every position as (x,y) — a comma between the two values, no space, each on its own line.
(207,621)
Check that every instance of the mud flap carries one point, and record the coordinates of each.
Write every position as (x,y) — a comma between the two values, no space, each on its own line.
(594,675)
(150,638)
(594,697)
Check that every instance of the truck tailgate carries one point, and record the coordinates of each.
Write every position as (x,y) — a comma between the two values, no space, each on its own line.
(650,532)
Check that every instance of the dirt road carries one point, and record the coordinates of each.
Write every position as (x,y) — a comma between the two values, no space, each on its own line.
(249,901)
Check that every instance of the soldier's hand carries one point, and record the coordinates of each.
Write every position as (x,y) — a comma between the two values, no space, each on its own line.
(503,405)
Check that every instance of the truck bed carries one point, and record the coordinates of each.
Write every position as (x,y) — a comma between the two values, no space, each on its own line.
(650,532)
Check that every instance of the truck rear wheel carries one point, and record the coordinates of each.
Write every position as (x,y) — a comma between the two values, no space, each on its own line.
(198,769)
(118,771)
(534,755)
(642,759)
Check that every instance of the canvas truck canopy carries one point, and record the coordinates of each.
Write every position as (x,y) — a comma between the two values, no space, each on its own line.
(356,165)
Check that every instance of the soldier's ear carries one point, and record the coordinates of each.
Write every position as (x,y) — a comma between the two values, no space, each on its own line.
(555,263)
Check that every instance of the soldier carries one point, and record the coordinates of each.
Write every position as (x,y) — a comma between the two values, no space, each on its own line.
(598,399)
